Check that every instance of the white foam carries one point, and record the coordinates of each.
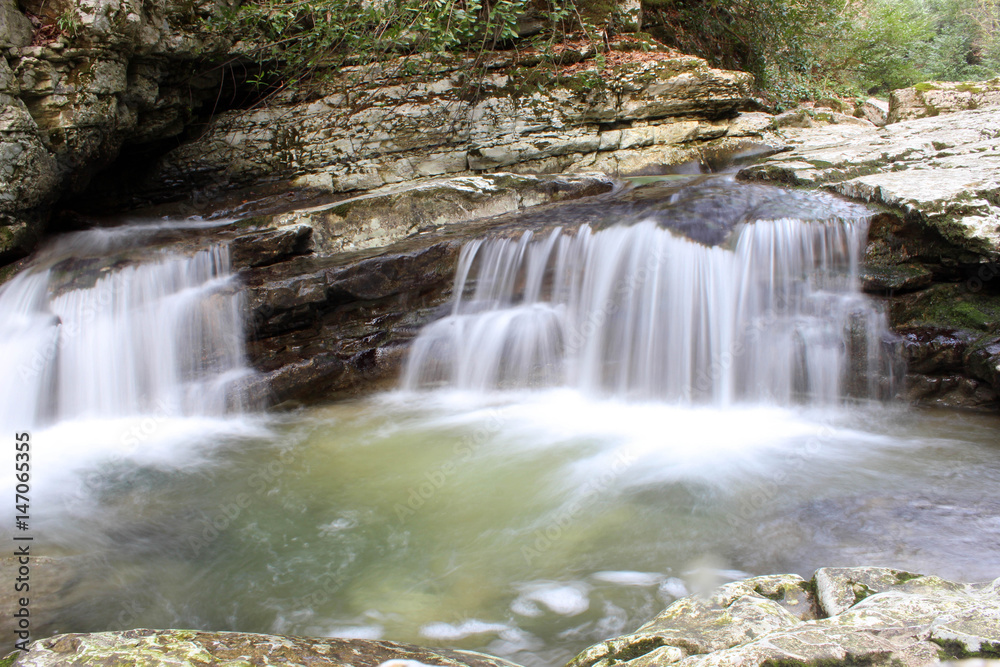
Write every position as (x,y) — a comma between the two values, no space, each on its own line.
(453,631)
(629,578)
(562,599)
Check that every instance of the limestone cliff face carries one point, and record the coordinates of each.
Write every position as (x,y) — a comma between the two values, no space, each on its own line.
(372,128)
(69,104)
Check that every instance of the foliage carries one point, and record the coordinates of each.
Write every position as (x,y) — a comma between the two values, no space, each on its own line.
(300,40)
(67,23)
(797,49)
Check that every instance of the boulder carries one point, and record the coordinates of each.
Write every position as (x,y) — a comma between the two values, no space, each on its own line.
(843,616)
(875,111)
(15,29)
(933,98)
(188,648)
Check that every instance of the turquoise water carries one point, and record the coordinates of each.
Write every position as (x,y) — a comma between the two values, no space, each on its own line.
(529,524)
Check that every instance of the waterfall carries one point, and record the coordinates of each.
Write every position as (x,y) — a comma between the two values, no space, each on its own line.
(162,336)
(639,312)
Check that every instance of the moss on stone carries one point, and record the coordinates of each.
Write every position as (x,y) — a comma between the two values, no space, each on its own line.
(968,88)
(952,649)
(924,87)
(951,306)
(862,591)
(903,577)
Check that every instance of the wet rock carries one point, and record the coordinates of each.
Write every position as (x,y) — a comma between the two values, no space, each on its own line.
(949,391)
(862,616)
(934,349)
(389,214)
(948,368)
(267,247)
(899,278)
(933,98)
(183,648)
(327,327)
(983,360)
(941,173)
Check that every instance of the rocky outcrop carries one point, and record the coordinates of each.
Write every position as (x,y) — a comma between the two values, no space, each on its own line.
(628,110)
(336,291)
(935,251)
(153,648)
(942,174)
(388,214)
(933,98)
(842,616)
(99,75)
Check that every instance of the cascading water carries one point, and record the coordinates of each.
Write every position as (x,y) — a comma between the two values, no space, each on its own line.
(163,336)
(638,312)
(527,524)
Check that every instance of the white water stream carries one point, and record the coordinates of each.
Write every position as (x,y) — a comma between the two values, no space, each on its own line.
(601,422)
(640,313)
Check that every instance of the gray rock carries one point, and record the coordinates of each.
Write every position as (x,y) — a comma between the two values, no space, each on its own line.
(875,111)
(188,648)
(15,29)
(68,107)
(865,616)
(943,172)
(532,119)
(933,98)
(386,215)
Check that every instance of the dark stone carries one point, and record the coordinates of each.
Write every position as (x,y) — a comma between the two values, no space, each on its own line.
(893,279)
(270,246)
(934,350)
(982,360)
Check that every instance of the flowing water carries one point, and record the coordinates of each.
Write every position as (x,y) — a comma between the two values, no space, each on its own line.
(605,418)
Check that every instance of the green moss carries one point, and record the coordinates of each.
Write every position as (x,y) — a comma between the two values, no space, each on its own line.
(639,648)
(820,164)
(968,88)
(956,650)
(924,87)
(861,591)
(952,306)
(903,577)
(8,661)
(847,661)
(598,11)
(6,273)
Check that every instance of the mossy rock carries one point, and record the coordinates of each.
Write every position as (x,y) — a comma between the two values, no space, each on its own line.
(180,648)
(949,306)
